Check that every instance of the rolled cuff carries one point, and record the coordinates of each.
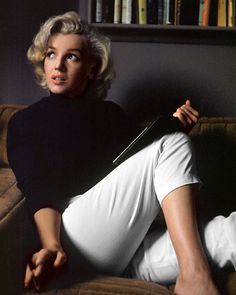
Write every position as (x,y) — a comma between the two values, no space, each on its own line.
(176,183)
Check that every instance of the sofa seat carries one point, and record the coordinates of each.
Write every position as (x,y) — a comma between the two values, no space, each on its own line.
(107,285)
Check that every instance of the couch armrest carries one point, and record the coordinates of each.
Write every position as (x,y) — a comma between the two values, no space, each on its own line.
(6,112)
(15,239)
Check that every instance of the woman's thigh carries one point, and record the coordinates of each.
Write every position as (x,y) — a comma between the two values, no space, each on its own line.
(108,223)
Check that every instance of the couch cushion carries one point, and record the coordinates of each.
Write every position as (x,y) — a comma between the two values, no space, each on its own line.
(226,125)
(106,285)
(7,179)
(10,195)
(6,111)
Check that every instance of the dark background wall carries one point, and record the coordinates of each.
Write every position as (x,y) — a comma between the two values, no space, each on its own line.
(150,76)
(19,21)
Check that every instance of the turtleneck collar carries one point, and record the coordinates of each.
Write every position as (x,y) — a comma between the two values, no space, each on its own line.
(63,100)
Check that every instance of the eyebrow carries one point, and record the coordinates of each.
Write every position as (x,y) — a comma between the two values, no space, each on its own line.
(70,49)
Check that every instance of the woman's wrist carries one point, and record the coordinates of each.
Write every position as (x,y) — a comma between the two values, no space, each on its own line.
(48,223)
(51,244)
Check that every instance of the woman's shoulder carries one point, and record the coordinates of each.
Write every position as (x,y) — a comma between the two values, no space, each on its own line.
(30,115)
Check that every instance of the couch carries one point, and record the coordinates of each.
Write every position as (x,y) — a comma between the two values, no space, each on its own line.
(215,143)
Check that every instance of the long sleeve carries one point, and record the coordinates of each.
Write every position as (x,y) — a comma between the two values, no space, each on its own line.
(26,160)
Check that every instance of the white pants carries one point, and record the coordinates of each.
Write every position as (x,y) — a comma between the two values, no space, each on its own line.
(108,223)
(156,261)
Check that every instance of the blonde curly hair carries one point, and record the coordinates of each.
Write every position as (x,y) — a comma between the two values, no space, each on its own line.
(71,23)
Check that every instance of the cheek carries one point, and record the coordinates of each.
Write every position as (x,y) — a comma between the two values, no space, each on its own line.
(80,74)
(46,74)
(48,65)
(45,68)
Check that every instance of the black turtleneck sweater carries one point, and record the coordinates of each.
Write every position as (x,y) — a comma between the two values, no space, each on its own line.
(60,147)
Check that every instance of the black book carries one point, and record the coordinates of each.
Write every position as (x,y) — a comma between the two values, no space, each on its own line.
(156,129)
(152,11)
(135,12)
(213,13)
(107,11)
(172,12)
(160,8)
(189,12)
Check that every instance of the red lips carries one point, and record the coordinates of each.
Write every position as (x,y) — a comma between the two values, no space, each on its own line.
(58,79)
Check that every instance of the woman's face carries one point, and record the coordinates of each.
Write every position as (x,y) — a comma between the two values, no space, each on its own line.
(67,65)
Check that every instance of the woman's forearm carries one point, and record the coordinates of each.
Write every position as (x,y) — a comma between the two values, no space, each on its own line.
(48,223)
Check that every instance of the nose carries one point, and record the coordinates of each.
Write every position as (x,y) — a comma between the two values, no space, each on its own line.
(59,64)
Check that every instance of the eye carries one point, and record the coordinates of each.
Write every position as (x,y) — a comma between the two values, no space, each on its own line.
(50,54)
(72,57)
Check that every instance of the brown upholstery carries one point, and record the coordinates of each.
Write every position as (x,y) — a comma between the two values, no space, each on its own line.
(105,285)
(221,124)
(16,231)
(6,111)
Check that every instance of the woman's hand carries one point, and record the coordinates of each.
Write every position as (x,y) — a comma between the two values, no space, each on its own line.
(187,116)
(44,265)
(47,262)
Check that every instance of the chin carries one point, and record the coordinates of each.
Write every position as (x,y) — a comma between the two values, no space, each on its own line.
(58,91)
(66,92)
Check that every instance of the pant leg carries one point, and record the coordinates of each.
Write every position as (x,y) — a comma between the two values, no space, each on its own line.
(108,223)
(219,238)
(156,260)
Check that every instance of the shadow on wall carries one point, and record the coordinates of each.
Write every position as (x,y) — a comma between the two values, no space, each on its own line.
(148,96)
(216,164)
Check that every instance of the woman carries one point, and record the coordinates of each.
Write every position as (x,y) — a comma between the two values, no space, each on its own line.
(70,138)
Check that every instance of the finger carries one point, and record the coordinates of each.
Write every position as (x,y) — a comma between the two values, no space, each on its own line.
(38,270)
(39,260)
(181,118)
(30,279)
(190,113)
(189,107)
(188,102)
(191,110)
(28,276)
(182,114)
(188,110)
(60,259)
(186,118)
(36,283)
(177,112)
